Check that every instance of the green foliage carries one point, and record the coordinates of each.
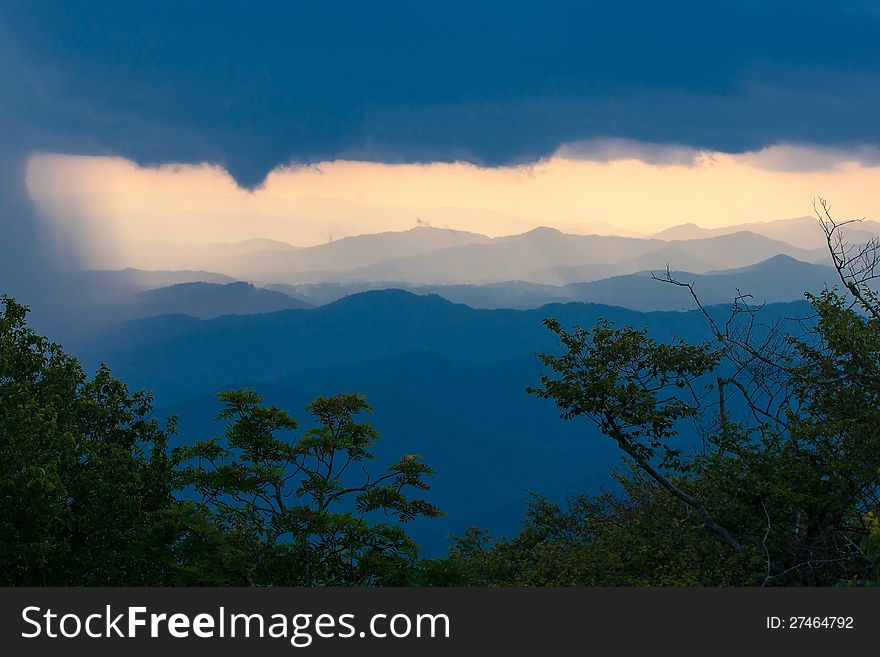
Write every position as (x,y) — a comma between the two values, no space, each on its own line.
(85,489)
(303,510)
(624,382)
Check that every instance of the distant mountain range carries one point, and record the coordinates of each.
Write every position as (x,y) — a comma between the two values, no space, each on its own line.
(344,254)
(271,260)
(777,279)
(802,232)
(102,298)
(428,255)
(111,285)
(181,354)
(528,270)
(447,382)
(208,300)
(547,256)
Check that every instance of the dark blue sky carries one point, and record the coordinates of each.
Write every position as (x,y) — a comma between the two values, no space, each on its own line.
(251,85)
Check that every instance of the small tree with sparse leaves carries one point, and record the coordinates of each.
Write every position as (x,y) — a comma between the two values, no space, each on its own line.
(304,510)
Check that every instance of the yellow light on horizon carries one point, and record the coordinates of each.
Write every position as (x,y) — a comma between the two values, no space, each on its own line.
(133,206)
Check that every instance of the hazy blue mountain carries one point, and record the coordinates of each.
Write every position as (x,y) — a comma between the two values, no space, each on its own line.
(343,254)
(802,232)
(697,255)
(319,294)
(121,299)
(207,300)
(503,258)
(493,296)
(88,299)
(447,381)
(432,256)
(181,356)
(548,256)
(509,294)
(777,279)
(103,285)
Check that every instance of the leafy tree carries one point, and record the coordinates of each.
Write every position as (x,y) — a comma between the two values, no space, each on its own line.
(304,511)
(85,488)
(626,383)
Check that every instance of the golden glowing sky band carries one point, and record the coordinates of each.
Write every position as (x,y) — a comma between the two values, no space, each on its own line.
(106,202)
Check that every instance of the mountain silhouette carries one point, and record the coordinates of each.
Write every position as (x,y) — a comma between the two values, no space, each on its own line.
(802,232)
(777,279)
(548,256)
(347,253)
(207,300)
(447,382)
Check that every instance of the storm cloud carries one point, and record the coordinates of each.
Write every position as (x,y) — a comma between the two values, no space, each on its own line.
(253,85)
